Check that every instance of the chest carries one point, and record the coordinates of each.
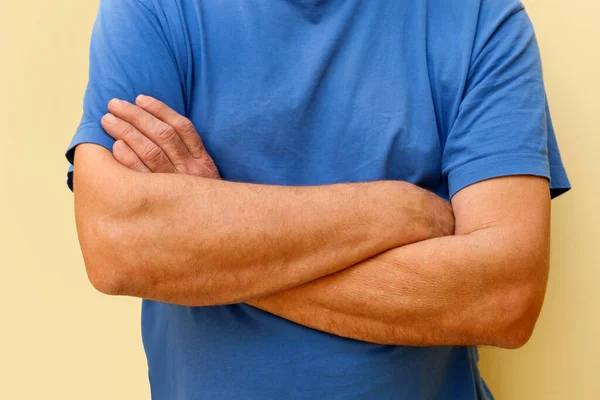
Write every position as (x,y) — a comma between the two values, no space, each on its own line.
(279,99)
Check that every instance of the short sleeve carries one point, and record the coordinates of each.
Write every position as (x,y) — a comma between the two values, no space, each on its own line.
(130,54)
(503,126)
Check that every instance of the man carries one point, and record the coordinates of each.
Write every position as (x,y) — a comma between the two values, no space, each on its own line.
(318,199)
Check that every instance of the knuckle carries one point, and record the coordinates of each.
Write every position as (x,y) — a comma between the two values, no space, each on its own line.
(151,152)
(195,169)
(159,108)
(184,168)
(166,132)
(185,125)
(127,131)
(137,113)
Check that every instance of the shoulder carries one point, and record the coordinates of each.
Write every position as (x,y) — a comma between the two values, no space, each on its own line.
(462,28)
(472,15)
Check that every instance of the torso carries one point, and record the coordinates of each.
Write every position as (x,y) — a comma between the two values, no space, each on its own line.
(330,91)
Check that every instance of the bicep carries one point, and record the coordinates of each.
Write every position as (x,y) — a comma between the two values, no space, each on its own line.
(515,208)
(104,191)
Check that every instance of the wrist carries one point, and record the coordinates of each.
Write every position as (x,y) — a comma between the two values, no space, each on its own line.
(420,214)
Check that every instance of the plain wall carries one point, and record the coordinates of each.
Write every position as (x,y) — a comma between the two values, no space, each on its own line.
(60,339)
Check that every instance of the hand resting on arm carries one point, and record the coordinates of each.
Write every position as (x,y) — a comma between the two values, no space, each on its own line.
(197,241)
(483,286)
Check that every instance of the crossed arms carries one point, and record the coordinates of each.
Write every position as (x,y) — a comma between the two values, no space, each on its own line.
(377,261)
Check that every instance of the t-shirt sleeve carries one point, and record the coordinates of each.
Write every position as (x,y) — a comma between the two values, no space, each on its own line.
(130,54)
(503,126)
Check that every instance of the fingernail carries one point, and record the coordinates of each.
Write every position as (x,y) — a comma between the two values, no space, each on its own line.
(115,102)
(142,99)
(110,119)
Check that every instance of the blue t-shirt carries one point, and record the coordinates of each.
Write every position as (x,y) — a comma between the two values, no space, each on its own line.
(441,93)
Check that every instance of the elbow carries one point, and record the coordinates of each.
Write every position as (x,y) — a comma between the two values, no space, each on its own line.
(106,213)
(516,337)
(517,305)
(104,255)
(517,317)
(106,278)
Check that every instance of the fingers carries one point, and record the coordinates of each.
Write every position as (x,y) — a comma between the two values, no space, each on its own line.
(156,130)
(149,153)
(181,124)
(127,157)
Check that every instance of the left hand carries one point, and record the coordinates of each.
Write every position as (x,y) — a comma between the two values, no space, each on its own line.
(152,137)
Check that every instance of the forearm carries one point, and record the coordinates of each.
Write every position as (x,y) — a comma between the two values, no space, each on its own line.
(196,241)
(455,290)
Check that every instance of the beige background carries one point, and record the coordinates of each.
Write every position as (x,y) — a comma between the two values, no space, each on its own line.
(59,339)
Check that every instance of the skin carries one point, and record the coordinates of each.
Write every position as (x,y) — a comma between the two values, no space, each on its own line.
(197,241)
(484,285)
